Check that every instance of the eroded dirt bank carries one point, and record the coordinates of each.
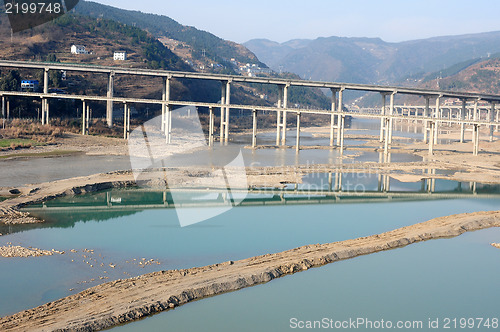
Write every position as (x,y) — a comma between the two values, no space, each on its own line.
(127,300)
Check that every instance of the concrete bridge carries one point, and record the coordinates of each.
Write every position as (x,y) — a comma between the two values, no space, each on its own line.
(469,114)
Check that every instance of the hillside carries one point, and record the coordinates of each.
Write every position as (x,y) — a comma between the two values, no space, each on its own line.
(204,47)
(482,76)
(372,60)
(101,37)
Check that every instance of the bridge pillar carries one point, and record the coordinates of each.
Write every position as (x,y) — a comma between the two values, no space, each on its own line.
(45,118)
(431,138)
(297,143)
(109,104)
(228,102)
(475,117)
(491,117)
(332,119)
(475,140)
(126,121)
(382,120)
(426,115)
(3,107)
(285,106)
(437,116)
(84,117)
(222,112)
(391,112)
(462,117)
(168,124)
(497,118)
(165,96)
(211,126)
(278,117)
(340,122)
(254,128)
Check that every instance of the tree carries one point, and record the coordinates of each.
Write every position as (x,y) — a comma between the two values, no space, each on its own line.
(11,81)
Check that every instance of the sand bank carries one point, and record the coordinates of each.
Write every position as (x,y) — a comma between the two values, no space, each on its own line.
(127,300)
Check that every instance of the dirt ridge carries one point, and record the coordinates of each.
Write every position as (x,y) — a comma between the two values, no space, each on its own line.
(127,300)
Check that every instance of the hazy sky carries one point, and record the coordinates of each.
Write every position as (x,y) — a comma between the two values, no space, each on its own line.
(279,20)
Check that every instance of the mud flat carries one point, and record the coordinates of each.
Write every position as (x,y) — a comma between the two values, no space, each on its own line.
(127,300)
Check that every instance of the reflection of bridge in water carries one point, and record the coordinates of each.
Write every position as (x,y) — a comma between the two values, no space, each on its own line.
(143,198)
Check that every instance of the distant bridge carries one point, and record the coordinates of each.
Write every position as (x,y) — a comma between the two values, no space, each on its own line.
(466,115)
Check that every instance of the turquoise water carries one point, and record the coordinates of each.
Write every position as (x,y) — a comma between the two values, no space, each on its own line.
(453,278)
(118,238)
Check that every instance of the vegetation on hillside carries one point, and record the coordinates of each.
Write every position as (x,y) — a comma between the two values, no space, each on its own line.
(202,42)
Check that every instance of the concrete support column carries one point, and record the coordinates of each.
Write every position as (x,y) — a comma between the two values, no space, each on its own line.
(8,109)
(491,117)
(342,131)
(228,102)
(47,109)
(211,126)
(3,107)
(168,125)
(426,115)
(340,123)
(475,117)
(109,104)
(297,143)
(391,112)
(476,139)
(285,106)
(254,128)
(84,117)
(497,118)
(166,98)
(382,120)
(431,138)
(125,121)
(44,100)
(87,123)
(222,112)
(462,117)
(332,119)
(278,115)
(436,115)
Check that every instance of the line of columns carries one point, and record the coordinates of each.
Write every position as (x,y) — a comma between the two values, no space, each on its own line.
(281,115)
(5,108)
(85,117)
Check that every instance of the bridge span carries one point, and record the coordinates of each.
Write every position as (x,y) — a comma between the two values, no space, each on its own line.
(470,113)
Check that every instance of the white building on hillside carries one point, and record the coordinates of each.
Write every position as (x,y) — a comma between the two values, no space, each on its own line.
(120,55)
(78,49)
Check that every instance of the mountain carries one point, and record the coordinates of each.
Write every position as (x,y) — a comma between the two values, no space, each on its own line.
(372,60)
(204,45)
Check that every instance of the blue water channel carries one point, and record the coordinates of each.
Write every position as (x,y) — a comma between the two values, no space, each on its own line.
(108,245)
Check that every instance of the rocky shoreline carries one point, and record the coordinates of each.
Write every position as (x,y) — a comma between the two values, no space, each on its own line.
(10,251)
(123,301)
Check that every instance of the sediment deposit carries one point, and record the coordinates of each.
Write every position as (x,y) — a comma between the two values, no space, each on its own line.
(127,300)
